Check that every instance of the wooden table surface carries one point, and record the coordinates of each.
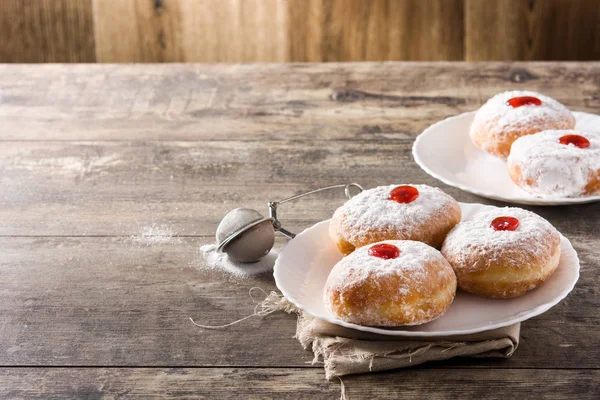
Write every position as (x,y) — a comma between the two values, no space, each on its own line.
(95,159)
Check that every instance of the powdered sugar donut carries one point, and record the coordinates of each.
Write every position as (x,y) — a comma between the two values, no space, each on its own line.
(557,163)
(507,116)
(391,283)
(502,253)
(396,212)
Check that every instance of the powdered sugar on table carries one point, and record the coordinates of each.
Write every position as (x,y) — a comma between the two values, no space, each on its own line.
(155,234)
(213,260)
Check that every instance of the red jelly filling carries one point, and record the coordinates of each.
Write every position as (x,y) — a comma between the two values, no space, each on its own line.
(404,194)
(524,101)
(505,224)
(575,140)
(385,251)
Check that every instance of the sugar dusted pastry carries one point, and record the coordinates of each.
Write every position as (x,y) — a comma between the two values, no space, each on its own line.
(396,212)
(502,253)
(510,115)
(391,283)
(557,163)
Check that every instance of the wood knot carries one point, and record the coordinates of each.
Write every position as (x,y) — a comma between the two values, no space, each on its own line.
(348,95)
(520,75)
(159,6)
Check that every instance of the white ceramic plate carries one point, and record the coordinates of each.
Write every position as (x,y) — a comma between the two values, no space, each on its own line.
(303,265)
(445,151)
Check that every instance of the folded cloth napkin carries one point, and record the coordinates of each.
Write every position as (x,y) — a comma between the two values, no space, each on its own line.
(347,351)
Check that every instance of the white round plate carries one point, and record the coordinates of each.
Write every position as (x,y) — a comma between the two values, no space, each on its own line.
(445,151)
(303,266)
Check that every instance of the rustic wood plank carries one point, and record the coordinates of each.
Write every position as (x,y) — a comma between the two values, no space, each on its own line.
(268,383)
(110,188)
(298,30)
(378,30)
(532,30)
(189,184)
(565,30)
(430,31)
(190,31)
(257,102)
(496,30)
(89,301)
(235,30)
(46,31)
(138,31)
(102,301)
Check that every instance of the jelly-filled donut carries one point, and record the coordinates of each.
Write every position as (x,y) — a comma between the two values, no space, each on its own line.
(502,253)
(557,163)
(396,212)
(392,283)
(507,116)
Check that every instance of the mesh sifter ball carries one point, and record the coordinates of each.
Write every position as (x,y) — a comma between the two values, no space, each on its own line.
(245,235)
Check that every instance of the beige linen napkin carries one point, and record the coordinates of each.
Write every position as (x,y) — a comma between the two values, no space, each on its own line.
(347,351)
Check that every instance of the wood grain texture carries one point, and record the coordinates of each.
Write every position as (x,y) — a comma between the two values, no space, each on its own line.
(46,31)
(122,301)
(252,102)
(191,185)
(532,30)
(565,30)
(235,31)
(133,308)
(497,30)
(138,31)
(297,30)
(277,30)
(265,383)
(355,30)
(190,31)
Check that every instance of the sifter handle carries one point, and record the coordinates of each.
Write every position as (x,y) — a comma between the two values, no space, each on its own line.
(274,204)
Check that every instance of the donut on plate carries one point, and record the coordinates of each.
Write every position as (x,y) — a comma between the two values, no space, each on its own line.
(396,212)
(391,283)
(507,116)
(502,253)
(557,163)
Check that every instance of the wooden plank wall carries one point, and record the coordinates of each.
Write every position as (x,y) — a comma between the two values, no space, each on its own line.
(297,30)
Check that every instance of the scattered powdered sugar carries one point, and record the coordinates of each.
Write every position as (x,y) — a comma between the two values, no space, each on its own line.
(501,119)
(371,210)
(155,234)
(474,245)
(552,169)
(213,260)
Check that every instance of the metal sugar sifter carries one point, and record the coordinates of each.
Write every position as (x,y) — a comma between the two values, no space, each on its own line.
(245,235)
